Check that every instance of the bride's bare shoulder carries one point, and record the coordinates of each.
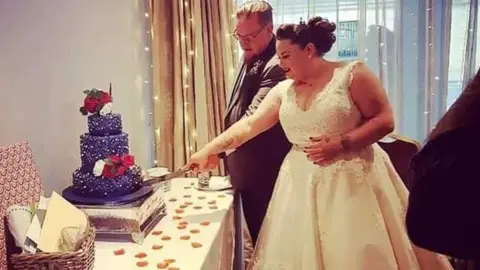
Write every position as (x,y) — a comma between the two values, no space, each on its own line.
(353,64)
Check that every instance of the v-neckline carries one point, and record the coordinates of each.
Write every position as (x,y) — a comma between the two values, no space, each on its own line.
(317,94)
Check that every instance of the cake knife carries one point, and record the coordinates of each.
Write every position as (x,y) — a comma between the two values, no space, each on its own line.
(159,179)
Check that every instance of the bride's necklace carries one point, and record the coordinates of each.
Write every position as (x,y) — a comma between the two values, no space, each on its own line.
(303,83)
(309,83)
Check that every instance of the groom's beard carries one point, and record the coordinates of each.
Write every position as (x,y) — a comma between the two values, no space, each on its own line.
(248,56)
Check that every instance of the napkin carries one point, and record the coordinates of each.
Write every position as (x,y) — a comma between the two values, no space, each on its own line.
(18,220)
(33,234)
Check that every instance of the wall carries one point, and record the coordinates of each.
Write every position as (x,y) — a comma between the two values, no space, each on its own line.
(50,51)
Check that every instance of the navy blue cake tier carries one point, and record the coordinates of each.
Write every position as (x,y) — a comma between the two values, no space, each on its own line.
(94,148)
(104,125)
(88,185)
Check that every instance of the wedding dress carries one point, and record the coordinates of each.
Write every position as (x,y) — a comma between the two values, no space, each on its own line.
(346,215)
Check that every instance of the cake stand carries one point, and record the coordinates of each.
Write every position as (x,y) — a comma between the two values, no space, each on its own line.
(127,218)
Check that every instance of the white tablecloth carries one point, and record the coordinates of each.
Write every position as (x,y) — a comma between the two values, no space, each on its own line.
(216,238)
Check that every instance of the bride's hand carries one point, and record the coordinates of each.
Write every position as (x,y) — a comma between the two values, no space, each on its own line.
(202,162)
(323,149)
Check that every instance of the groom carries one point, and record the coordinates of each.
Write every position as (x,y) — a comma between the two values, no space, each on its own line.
(253,167)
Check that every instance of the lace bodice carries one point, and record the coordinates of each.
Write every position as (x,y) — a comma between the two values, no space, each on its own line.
(332,111)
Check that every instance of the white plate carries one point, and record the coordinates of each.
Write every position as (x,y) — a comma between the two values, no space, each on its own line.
(217,183)
(156,172)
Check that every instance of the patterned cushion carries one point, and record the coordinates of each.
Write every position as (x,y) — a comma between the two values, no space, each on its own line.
(19,184)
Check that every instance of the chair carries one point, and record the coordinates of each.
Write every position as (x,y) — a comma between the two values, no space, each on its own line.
(19,184)
(401,151)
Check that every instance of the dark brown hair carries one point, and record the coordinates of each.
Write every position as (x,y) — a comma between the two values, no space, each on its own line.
(464,112)
(318,31)
(261,8)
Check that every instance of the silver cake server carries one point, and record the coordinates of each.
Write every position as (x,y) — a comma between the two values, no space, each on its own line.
(159,179)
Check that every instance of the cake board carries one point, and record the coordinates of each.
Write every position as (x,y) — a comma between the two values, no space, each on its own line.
(125,219)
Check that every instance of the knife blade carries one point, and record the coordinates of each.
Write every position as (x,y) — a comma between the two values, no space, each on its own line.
(159,179)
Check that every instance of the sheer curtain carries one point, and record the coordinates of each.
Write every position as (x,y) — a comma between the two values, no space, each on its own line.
(423,51)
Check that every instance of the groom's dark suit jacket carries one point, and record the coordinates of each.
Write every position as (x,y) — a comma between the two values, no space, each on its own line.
(256,162)
(253,167)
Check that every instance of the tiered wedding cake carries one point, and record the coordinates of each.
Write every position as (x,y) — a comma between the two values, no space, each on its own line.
(108,185)
(107,169)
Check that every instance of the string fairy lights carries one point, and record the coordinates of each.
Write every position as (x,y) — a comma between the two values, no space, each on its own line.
(187,40)
(149,32)
(429,67)
(192,89)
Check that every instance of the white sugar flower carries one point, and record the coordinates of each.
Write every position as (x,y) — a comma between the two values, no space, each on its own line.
(98,168)
(106,109)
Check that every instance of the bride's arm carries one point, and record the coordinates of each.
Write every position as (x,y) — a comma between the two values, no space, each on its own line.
(369,96)
(264,117)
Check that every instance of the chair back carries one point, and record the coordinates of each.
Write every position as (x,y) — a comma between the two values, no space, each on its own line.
(401,151)
(20,184)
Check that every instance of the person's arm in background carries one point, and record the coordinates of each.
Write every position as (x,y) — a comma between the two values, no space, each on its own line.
(443,207)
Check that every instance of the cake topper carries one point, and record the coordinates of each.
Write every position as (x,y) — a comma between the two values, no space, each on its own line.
(110,89)
(96,102)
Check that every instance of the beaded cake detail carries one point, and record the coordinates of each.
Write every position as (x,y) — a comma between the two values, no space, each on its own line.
(107,169)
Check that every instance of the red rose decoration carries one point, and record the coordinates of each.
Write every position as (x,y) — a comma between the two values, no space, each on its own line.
(115,159)
(108,171)
(90,104)
(121,170)
(105,98)
(94,101)
(117,165)
(128,160)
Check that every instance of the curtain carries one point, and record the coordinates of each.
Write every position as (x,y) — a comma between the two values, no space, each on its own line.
(423,51)
(193,63)
(470,49)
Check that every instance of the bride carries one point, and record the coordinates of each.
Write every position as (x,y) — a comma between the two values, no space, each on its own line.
(338,203)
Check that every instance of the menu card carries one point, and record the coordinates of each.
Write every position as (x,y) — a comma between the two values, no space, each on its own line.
(60,214)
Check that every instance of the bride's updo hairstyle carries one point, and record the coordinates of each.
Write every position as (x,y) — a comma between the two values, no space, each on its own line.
(318,31)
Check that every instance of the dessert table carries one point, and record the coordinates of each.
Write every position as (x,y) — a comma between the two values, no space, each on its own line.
(197,233)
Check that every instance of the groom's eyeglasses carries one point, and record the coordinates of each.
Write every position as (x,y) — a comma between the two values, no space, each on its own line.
(250,37)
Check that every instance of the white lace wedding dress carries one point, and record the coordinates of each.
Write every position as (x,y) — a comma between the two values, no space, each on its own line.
(347,215)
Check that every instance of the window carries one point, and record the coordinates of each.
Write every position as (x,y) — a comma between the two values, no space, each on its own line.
(404,78)
(458,35)
(347,40)
(347,21)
